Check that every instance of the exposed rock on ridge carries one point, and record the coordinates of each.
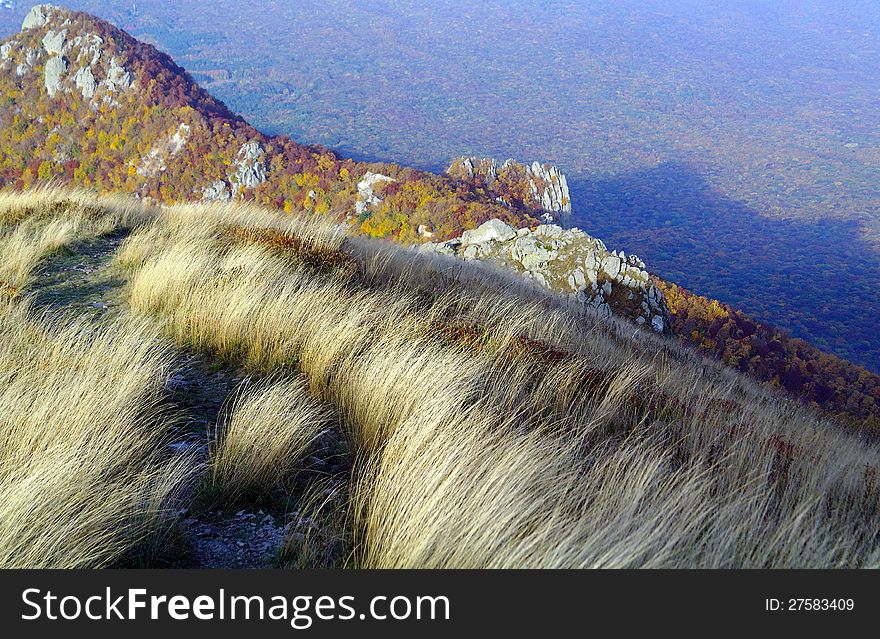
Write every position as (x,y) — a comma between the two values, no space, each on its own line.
(541,186)
(74,60)
(567,261)
(250,166)
(368,190)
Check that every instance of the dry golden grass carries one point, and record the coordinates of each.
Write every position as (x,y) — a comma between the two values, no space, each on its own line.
(495,425)
(497,429)
(262,440)
(83,479)
(39,223)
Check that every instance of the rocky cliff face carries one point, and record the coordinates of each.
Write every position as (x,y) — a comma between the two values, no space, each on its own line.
(567,261)
(536,186)
(72,60)
(368,191)
(250,170)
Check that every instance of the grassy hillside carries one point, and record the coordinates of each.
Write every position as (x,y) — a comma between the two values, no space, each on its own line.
(227,386)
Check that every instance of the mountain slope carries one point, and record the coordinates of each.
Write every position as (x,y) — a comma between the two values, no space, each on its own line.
(84,103)
(305,396)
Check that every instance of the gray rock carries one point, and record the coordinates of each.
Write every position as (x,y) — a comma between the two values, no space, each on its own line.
(118,78)
(549,230)
(5,51)
(217,192)
(549,187)
(250,165)
(85,82)
(38,16)
(90,47)
(56,67)
(536,259)
(367,187)
(55,42)
(494,229)
(657,323)
(611,266)
(570,262)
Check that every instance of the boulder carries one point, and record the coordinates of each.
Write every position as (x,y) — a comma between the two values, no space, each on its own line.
(38,16)
(611,266)
(56,67)
(85,82)
(55,42)
(494,229)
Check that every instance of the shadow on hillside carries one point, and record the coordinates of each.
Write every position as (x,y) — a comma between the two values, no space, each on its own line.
(817,279)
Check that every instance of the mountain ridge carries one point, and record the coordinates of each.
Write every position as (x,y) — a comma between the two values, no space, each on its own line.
(87,104)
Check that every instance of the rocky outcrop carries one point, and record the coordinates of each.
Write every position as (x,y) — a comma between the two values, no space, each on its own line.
(156,161)
(38,16)
(368,191)
(250,166)
(118,78)
(493,230)
(85,82)
(54,73)
(567,261)
(541,187)
(549,186)
(217,192)
(73,61)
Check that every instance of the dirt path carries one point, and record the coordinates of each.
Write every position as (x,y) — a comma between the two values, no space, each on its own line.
(82,281)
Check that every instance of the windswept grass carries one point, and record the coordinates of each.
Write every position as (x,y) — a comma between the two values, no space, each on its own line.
(493,424)
(262,440)
(496,426)
(84,481)
(40,223)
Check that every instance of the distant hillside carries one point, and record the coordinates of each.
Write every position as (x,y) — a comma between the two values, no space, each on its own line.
(87,104)
(775,357)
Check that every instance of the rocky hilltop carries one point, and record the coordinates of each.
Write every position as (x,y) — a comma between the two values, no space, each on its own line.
(533,186)
(567,261)
(68,58)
